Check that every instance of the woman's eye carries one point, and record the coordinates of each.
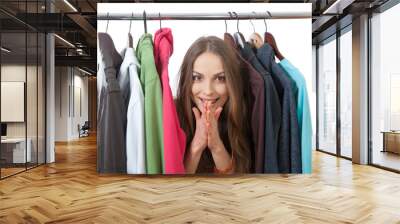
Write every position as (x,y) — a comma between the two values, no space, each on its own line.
(196,77)
(221,78)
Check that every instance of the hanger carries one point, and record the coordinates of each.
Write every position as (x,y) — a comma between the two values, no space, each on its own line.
(254,29)
(228,38)
(269,38)
(107,22)
(159,17)
(226,26)
(239,39)
(130,38)
(255,39)
(145,21)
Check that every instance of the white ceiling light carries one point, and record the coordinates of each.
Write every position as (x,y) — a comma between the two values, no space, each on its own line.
(5,50)
(86,72)
(65,41)
(70,5)
(338,6)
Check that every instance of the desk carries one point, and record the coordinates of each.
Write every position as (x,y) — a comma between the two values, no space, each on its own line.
(391,141)
(13,150)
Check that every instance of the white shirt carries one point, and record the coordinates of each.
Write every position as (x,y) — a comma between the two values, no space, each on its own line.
(135,135)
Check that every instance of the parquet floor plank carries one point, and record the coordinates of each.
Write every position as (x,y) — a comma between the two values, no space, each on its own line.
(70,191)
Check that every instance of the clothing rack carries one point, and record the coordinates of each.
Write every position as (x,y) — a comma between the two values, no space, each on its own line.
(203,16)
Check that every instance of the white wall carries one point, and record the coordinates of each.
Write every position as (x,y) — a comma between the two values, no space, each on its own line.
(68,83)
(17,73)
(293,36)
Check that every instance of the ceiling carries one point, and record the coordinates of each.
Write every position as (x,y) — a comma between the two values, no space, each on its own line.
(75,21)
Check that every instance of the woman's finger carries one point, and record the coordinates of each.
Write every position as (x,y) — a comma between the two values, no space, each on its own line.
(196,113)
(218,112)
(207,113)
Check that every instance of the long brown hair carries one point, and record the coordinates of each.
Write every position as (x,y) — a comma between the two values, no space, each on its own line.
(233,124)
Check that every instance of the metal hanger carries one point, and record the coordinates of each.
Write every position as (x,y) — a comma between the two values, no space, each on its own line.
(130,23)
(159,17)
(145,21)
(238,36)
(265,23)
(107,22)
(237,24)
(130,38)
(254,29)
(226,26)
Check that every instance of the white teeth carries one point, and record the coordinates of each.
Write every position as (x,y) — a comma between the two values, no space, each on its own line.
(211,101)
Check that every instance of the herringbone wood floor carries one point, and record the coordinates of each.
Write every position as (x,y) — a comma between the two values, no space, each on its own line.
(70,191)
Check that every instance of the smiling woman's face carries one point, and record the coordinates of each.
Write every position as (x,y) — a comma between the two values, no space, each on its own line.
(209,81)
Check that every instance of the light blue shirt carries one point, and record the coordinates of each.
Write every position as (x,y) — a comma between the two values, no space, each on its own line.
(303,114)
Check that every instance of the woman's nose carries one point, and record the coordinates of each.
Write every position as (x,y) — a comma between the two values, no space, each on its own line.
(208,88)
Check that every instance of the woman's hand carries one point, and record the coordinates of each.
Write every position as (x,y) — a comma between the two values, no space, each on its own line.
(222,159)
(199,142)
(214,141)
(207,134)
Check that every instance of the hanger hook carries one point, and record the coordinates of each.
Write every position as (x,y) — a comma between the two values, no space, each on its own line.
(237,24)
(265,22)
(130,23)
(269,14)
(159,17)
(254,29)
(145,22)
(230,15)
(226,26)
(107,22)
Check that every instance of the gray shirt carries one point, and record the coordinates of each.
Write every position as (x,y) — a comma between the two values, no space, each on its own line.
(111,153)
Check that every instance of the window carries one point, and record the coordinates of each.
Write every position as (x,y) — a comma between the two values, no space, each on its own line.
(385,89)
(327,96)
(346,93)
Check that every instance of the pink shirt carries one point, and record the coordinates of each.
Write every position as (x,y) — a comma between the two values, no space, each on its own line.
(174,136)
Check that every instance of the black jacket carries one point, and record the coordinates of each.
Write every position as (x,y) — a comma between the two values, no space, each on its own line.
(289,152)
(272,112)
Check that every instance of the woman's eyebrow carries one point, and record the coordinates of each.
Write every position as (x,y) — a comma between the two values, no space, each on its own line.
(216,74)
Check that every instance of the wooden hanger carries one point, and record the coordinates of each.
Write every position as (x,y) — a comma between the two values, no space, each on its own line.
(255,39)
(269,38)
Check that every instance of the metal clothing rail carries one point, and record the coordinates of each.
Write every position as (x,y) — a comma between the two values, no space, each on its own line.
(203,16)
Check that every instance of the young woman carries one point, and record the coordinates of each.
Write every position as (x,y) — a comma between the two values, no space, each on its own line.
(212,109)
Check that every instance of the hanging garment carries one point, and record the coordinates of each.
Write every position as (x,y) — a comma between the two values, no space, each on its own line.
(151,87)
(174,138)
(303,114)
(272,112)
(111,153)
(289,154)
(256,107)
(132,95)
(123,80)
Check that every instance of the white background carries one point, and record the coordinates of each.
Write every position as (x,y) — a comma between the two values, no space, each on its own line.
(293,36)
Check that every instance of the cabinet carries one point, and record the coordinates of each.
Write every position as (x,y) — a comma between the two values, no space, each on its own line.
(13,150)
(391,142)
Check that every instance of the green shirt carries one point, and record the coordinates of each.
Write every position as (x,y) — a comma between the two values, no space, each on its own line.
(151,86)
